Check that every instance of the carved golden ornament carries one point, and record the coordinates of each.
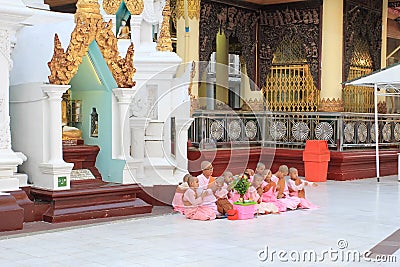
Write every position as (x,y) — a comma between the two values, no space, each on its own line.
(358,99)
(192,76)
(121,68)
(291,88)
(111,6)
(193,9)
(135,7)
(64,65)
(164,42)
(382,107)
(327,105)
(87,9)
(194,104)
(254,104)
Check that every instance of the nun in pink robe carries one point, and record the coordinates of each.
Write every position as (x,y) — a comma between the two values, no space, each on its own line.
(177,201)
(270,197)
(291,202)
(262,207)
(194,208)
(294,192)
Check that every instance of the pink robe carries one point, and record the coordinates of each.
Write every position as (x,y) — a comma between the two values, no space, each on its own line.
(261,207)
(270,197)
(291,202)
(208,200)
(196,210)
(234,196)
(177,202)
(304,203)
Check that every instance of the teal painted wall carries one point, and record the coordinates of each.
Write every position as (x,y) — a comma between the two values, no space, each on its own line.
(122,14)
(93,84)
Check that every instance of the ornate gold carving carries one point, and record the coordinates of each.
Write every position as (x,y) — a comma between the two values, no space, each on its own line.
(111,6)
(358,98)
(327,105)
(291,88)
(164,41)
(290,51)
(90,26)
(194,102)
(87,9)
(255,104)
(382,107)
(361,56)
(121,68)
(135,7)
(57,75)
(193,9)
(192,76)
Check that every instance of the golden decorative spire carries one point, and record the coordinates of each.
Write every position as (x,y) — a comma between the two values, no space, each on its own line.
(135,7)
(87,9)
(90,26)
(164,41)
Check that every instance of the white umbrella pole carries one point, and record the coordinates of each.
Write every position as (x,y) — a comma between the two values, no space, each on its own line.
(376,131)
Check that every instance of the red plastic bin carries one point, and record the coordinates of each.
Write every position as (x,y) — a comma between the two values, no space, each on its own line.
(316,156)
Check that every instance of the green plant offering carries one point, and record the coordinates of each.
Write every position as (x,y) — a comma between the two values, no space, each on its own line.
(246,203)
(241,186)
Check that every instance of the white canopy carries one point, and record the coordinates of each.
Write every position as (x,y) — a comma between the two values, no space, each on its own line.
(388,78)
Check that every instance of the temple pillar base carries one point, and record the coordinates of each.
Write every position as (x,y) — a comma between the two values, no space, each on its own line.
(55,176)
(11,214)
(24,202)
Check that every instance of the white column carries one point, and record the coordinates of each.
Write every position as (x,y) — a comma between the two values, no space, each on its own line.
(136,21)
(182,126)
(56,172)
(124,97)
(138,127)
(8,159)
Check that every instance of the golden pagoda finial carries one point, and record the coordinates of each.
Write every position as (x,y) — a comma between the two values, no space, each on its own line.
(164,41)
(87,9)
(135,7)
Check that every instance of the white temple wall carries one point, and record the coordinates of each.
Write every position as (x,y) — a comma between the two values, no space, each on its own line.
(31,57)
(28,131)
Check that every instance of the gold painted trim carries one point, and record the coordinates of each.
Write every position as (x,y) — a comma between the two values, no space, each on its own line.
(135,7)
(193,9)
(164,41)
(328,105)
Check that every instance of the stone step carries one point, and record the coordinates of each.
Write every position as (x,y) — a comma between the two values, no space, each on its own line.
(89,201)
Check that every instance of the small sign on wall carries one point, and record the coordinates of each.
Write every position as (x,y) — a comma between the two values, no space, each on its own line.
(62,181)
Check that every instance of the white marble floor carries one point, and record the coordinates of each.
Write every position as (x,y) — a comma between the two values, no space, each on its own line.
(355,215)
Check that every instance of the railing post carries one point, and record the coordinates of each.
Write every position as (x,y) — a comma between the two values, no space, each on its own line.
(398,167)
(340,132)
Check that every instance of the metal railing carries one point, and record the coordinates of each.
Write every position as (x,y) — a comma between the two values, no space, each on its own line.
(292,129)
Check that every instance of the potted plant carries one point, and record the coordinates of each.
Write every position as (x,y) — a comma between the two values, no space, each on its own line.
(241,186)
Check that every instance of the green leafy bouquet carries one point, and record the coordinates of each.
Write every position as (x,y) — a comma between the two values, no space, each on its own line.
(242,184)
